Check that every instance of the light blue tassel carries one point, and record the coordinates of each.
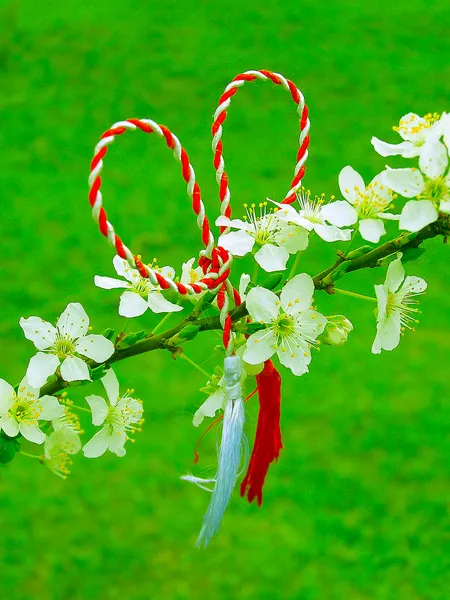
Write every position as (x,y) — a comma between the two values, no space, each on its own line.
(230,452)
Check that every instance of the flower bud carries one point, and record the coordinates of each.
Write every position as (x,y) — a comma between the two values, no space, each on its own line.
(336,331)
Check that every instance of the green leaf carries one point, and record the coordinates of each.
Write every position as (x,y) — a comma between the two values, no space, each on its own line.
(412,254)
(132,338)
(108,333)
(8,449)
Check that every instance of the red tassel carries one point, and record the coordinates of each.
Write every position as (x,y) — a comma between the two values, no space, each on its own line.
(268,433)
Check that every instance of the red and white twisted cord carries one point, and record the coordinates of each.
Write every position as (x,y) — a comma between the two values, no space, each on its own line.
(221,114)
(216,261)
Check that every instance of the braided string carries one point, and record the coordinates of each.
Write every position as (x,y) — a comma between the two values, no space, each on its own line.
(216,262)
(221,114)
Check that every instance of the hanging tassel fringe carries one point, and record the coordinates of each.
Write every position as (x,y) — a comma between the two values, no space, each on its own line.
(268,433)
(230,452)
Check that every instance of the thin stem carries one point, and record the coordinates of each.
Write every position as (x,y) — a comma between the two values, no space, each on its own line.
(161,323)
(29,455)
(294,266)
(70,405)
(354,294)
(195,365)
(255,273)
(352,241)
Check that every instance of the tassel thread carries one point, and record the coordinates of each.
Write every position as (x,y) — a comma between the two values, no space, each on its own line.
(268,442)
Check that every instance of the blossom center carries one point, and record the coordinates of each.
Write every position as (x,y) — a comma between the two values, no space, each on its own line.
(311,208)
(63,347)
(284,325)
(26,410)
(416,127)
(141,287)
(125,416)
(436,190)
(372,200)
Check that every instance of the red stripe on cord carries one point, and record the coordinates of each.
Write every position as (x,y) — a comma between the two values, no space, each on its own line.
(245,77)
(223,186)
(303,147)
(98,157)
(103,222)
(227,331)
(196,199)
(181,289)
(169,137)
(294,92)
(271,76)
(289,199)
(162,282)
(227,95)
(304,117)
(217,155)
(221,297)
(218,122)
(143,126)
(113,131)
(205,231)
(197,289)
(119,247)
(237,298)
(185,168)
(94,189)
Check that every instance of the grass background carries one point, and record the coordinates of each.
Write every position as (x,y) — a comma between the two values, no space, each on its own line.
(357,506)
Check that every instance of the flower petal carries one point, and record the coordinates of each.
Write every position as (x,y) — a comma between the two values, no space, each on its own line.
(111,385)
(395,275)
(388,333)
(9,425)
(297,294)
(414,284)
(117,444)
(297,362)
(74,321)
(40,367)
(99,409)
(243,285)
(32,433)
(6,396)
(416,214)
(123,269)
(433,159)
(41,333)
(223,221)
(293,238)
(109,283)
(262,305)
(272,258)
(405,149)
(98,445)
(186,270)
(339,213)
(381,292)
(350,182)
(238,243)
(51,408)
(74,369)
(212,404)
(96,347)
(158,304)
(330,233)
(372,229)
(407,182)
(260,346)
(132,305)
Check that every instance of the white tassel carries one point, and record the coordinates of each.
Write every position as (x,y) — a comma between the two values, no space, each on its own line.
(230,452)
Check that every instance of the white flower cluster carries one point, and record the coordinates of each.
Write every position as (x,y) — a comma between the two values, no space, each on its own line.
(68,351)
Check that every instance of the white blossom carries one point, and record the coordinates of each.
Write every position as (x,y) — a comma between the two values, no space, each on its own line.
(60,345)
(140,293)
(397,306)
(291,326)
(324,219)
(420,137)
(368,203)
(57,448)
(121,416)
(21,411)
(271,238)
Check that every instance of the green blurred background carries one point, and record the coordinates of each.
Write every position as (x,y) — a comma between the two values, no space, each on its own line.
(357,506)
